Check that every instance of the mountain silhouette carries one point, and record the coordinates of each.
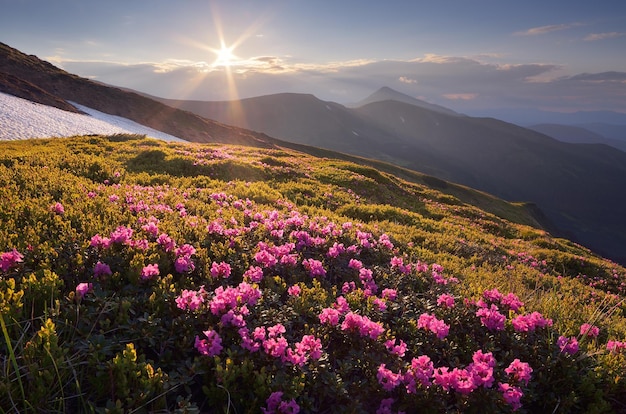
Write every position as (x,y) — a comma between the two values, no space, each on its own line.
(387,94)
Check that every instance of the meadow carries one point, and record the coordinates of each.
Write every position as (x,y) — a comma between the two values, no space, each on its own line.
(143,276)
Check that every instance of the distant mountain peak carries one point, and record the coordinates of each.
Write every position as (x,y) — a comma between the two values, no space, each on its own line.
(388,94)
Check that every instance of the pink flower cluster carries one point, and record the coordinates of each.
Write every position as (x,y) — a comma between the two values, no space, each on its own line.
(253,274)
(150,271)
(308,348)
(431,323)
(82,289)
(394,349)
(591,331)
(221,269)
(191,299)
(567,345)
(615,346)
(491,318)
(10,259)
(511,395)
(211,346)
(445,300)
(519,371)
(530,322)
(276,405)
(274,344)
(57,208)
(362,324)
(102,269)
(314,267)
(232,303)
(183,262)
(422,373)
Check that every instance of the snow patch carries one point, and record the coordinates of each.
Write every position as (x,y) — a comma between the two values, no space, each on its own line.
(23,119)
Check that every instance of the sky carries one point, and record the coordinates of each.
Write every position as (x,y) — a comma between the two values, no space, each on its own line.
(467,55)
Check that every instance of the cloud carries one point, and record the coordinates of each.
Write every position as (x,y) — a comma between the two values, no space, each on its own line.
(460,96)
(601,36)
(464,84)
(546,29)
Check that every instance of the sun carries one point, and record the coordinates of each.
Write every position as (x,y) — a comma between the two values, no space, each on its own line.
(225,56)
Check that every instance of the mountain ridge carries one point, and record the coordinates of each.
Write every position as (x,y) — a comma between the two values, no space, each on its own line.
(386,93)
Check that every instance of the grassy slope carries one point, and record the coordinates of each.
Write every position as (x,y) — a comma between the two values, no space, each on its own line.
(554,276)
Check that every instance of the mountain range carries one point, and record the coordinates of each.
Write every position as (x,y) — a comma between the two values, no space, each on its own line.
(578,188)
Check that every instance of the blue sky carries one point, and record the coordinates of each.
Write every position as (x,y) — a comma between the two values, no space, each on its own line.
(469,55)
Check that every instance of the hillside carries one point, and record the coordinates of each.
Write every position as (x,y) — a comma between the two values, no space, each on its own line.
(141,275)
(576,186)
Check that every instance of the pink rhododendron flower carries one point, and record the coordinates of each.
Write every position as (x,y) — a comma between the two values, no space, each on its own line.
(511,301)
(221,269)
(329,316)
(520,371)
(480,357)
(276,405)
(482,374)
(615,346)
(275,344)
(166,242)
(431,323)
(445,300)
(341,304)
(309,348)
(355,264)
(82,289)
(184,264)
(57,208)
(294,290)
(211,346)
(348,287)
(102,269)
(151,228)
(528,323)
(99,241)
(122,235)
(265,258)
(389,294)
(462,381)
(186,250)
(591,331)
(191,299)
(567,345)
(387,378)
(420,371)
(511,394)
(491,318)
(253,274)
(398,350)
(10,259)
(443,378)
(362,324)
(150,271)
(380,304)
(314,267)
